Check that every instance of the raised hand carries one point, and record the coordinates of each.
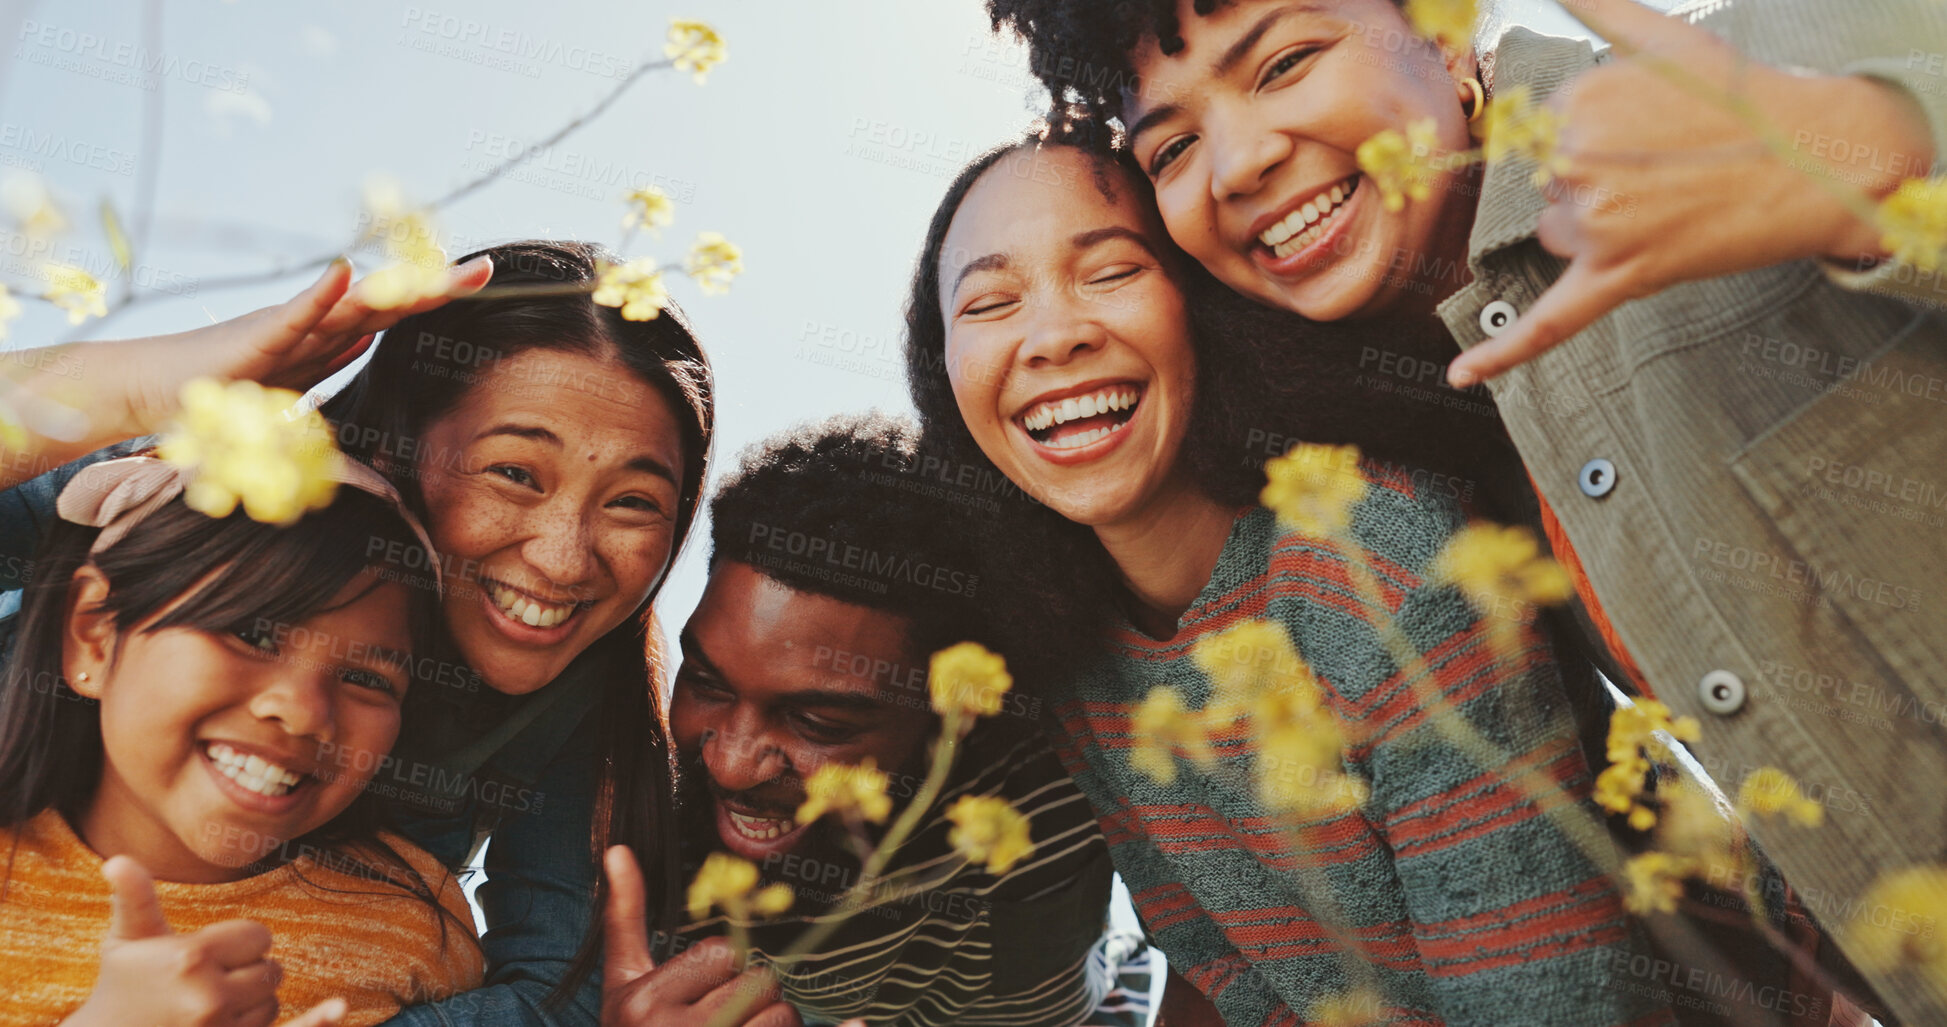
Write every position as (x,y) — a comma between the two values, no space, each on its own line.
(1666,185)
(220,975)
(293,345)
(689,990)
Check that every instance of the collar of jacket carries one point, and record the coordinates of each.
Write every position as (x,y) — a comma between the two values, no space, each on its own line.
(1510,205)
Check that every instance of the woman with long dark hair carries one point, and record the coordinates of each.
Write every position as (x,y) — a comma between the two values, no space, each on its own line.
(1050,338)
(557,453)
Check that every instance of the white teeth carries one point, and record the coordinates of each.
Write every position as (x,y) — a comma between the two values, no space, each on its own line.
(1315,211)
(527,611)
(1046,415)
(253,773)
(759,828)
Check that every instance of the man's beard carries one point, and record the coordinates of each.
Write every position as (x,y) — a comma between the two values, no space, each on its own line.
(820,868)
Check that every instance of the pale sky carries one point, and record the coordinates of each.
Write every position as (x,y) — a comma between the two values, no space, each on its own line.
(821,147)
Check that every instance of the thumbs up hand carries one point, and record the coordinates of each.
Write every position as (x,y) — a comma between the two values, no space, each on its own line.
(690,989)
(151,975)
(1664,184)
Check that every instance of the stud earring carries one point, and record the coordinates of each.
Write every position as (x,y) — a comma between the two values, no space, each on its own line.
(81,678)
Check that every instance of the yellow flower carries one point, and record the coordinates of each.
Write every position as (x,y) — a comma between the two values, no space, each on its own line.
(725,881)
(649,207)
(13,434)
(1516,126)
(772,900)
(1450,22)
(418,269)
(1898,924)
(988,830)
(1250,658)
(1632,729)
(1913,223)
(77,292)
(1655,881)
(1313,488)
(1361,1008)
(9,309)
(1619,785)
(1161,726)
(1494,565)
(842,789)
(1403,166)
(713,262)
(695,47)
(243,443)
(1768,791)
(966,679)
(1695,826)
(27,200)
(636,287)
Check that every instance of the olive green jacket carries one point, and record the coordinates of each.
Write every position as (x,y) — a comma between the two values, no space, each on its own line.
(1753,470)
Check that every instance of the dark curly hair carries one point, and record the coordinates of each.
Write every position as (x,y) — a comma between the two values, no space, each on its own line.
(1266,379)
(1079,49)
(850,507)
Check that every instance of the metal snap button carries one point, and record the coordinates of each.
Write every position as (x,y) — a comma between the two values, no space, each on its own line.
(1497,316)
(1721,692)
(1598,478)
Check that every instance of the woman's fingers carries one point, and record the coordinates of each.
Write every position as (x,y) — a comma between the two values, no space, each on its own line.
(253,985)
(753,990)
(1579,298)
(324,1014)
(234,944)
(134,913)
(625,931)
(780,1014)
(301,315)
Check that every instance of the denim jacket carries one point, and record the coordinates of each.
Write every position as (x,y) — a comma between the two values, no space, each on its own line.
(1753,470)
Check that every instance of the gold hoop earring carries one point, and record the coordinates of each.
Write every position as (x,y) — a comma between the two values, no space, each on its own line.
(1473,100)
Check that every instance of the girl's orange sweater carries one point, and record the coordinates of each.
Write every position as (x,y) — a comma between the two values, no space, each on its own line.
(338,929)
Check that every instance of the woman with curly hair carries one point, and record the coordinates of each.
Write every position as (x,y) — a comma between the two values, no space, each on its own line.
(1050,338)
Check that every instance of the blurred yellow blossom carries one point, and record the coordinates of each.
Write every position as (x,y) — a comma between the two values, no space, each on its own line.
(31,206)
(989,830)
(1159,727)
(1913,223)
(77,292)
(1768,791)
(1633,731)
(695,47)
(13,434)
(1495,565)
(243,443)
(1898,926)
(1247,659)
(839,788)
(724,880)
(1313,488)
(649,207)
(713,261)
(1360,1008)
(1695,825)
(1403,166)
(772,899)
(9,309)
(967,679)
(636,287)
(418,269)
(1655,882)
(1450,22)
(1515,125)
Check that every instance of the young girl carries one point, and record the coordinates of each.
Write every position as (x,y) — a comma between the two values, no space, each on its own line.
(1050,339)
(200,703)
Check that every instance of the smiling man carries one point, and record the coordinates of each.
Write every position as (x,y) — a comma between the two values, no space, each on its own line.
(834,573)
